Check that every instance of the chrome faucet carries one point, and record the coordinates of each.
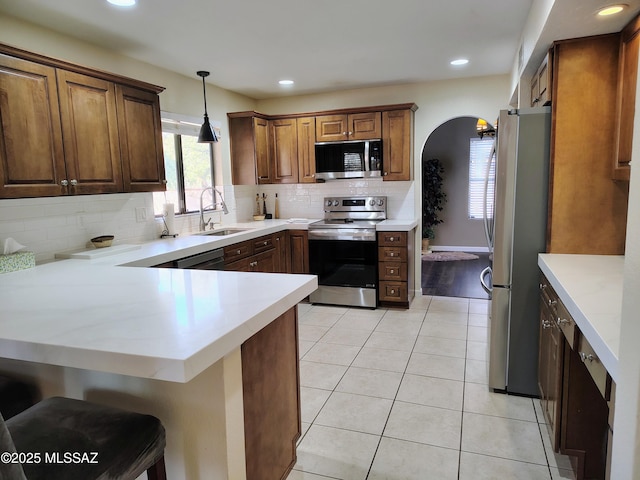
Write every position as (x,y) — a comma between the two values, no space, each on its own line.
(214,191)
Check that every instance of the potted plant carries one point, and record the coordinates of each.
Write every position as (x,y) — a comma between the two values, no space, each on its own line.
(433,198)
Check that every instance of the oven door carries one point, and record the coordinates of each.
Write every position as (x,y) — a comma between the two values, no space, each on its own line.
(346,269)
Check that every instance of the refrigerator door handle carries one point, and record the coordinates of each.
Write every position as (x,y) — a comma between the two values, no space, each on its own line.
(488,221)
(484,273)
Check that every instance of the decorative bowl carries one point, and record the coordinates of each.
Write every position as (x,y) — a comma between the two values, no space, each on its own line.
(258,217)
(102,241)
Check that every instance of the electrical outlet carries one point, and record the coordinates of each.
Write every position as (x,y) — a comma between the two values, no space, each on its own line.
(141,214)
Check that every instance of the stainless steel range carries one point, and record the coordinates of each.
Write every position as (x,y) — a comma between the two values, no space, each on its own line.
(343,251)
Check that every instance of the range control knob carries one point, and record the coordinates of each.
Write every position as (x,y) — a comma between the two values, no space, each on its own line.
(328,203)
(336,203)
(380,202)
(372,202)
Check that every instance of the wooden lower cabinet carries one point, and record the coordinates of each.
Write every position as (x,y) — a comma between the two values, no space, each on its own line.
(550,362)
(298,251)
(575,390)
(271,392)
(395,272)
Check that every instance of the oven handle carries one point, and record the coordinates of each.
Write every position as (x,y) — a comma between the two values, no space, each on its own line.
(354,234)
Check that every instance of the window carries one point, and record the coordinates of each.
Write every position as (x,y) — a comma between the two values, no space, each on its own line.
(189,165)
(480,157)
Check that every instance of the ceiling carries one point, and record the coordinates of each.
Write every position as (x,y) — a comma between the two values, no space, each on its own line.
(322,45)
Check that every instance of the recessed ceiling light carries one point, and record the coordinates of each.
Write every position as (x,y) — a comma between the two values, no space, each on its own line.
(611,9)
(459,61)
(286,82)
(122,3)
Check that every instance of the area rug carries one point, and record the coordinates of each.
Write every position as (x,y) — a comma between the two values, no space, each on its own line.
(448,256)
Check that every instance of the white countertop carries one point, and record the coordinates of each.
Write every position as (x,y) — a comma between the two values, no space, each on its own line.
(167,324)
(590,286)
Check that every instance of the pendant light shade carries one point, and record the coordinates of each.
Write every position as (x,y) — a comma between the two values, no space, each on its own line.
(207,135)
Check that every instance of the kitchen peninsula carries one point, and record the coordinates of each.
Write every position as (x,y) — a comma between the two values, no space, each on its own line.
(177,344)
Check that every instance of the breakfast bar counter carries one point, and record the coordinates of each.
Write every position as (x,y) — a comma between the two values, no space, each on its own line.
(161,341)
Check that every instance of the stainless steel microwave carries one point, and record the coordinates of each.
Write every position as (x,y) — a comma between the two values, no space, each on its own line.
(350,159)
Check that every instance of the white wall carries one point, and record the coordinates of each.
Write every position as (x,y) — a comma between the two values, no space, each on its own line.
(626,438)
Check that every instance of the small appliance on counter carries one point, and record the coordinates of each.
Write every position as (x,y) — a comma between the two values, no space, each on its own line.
(343,251)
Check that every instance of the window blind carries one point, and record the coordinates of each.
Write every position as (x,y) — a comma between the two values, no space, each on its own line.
(480,155)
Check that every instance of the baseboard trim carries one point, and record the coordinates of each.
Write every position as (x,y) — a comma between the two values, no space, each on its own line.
(445,248)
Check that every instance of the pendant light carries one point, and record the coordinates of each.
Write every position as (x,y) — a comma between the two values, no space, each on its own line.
(207,135)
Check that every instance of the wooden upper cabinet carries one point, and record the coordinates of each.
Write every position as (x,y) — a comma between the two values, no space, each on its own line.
(140,140)
(357,126)
(249,143)
(31,150)
(90,133)
(397,144)
(284,151)
(626,101)
(583,200)
(67,129)
(306,149)
(541,84)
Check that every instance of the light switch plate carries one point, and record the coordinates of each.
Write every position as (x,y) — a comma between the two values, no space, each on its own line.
(141,214)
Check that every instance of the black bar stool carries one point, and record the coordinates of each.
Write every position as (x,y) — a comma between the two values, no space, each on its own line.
(15,396)
(83,440)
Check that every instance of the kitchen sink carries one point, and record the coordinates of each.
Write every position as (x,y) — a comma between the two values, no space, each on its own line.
(223,232)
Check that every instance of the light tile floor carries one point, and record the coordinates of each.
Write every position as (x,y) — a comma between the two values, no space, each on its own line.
(402,395)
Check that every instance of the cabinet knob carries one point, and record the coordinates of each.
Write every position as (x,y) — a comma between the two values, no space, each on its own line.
(391,239)
(542,286)
(344,133)
(73,182)
(64,183)
(546,324)
(391,254)
(393,291)
(237,252)
(164,181)
(562,321)
(552,302)
(391,271)
(350,133)
(265,243)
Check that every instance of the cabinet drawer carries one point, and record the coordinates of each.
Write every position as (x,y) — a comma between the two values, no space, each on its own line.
(394,271)
(262,244)
(566,324)
(393,292)
(237,251)
(396,254)
(392,239)
(595,367)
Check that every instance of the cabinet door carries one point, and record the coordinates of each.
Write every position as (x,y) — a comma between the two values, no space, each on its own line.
(628,77)
(31,153)
(261,142)
(306,149)
(331,128)
(280,254)
(299,251)
(397,138)
(263,262)
(140,134)
(284,151)
(90,133)
(365,126)
(271,398)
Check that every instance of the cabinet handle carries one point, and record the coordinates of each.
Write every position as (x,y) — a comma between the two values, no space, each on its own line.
(73,183)
(385,174)
(546,324)
(587,357)
(562,321)
(265,243)
(350,133)
(164,181)
(237,252)
(344,133)
(391,271)
(263,177)
(391,239)
(552,302)
(64,183)
(277,239)
(393,291)
(542,286)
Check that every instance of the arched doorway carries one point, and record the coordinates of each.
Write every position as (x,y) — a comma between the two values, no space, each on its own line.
(459,250)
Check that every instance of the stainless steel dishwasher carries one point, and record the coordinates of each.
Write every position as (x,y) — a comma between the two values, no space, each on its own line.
(211,260)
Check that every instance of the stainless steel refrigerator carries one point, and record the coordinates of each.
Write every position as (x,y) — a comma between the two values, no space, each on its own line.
(516,234)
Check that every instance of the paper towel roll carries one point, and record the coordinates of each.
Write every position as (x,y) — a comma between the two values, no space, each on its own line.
(168,212)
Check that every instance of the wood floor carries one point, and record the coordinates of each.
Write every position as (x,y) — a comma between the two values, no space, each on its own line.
(460,278)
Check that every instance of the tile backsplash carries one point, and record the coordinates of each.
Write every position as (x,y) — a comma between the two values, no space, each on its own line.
(55,224)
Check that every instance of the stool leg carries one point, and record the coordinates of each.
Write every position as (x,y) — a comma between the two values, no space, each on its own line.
(157,470)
